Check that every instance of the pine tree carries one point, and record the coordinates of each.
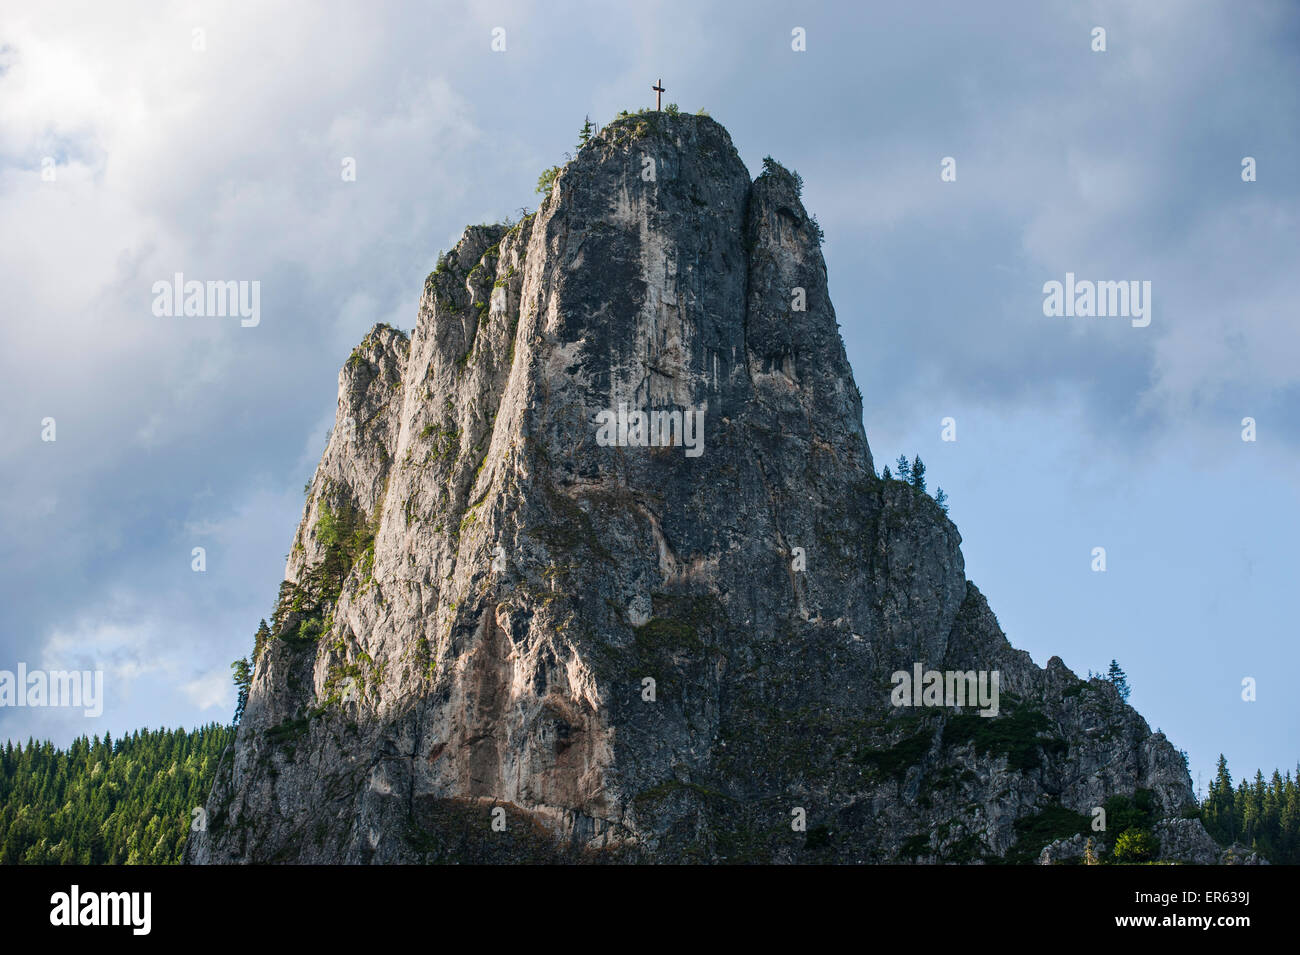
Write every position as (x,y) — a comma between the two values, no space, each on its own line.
(1116,676)
(260,639)
(941,499)
(903,469)
(1244,817)
(1290,818)
(584,135)
(243,677)
(918,474)
(885,475)
(1220,810)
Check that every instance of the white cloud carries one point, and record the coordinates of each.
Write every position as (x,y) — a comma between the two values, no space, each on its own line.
(212,690)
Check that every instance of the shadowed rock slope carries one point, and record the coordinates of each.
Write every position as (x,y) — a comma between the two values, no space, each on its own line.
(479,589)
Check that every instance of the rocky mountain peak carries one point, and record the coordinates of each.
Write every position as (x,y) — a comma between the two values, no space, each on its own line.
(597,565)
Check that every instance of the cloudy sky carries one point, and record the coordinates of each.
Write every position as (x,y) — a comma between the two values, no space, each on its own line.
(208,139)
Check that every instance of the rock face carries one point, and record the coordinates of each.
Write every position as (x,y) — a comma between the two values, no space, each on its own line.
(503,639)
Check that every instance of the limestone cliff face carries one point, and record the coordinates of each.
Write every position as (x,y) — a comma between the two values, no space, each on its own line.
(480,590)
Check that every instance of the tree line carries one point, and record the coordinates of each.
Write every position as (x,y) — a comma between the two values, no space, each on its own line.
(1262,814)
(106,801)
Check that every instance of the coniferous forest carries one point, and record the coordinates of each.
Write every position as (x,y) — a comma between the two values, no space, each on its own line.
(131,800)
(106,801)
(1262,814)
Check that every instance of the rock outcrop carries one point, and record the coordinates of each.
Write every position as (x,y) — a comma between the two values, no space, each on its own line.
(504,638)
